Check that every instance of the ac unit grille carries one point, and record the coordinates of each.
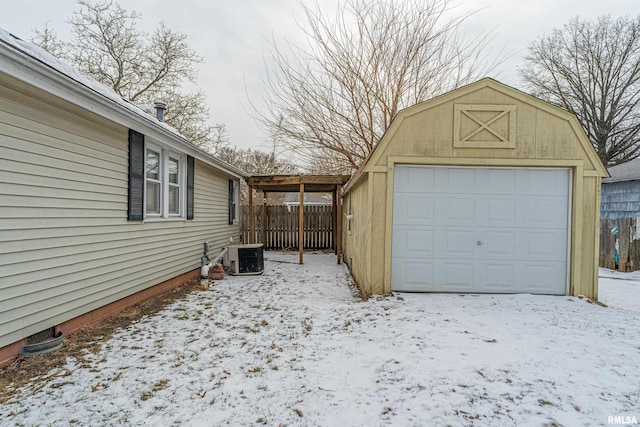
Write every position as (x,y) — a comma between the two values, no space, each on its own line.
(246,259)
(250,260)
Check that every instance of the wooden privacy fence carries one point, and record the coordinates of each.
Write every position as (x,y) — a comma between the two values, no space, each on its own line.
(620,234)
(282,227)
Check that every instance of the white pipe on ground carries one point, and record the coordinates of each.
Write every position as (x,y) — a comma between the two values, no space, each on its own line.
(204,271)
(206,266)
(221,254)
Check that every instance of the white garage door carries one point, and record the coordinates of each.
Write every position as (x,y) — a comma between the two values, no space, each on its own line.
(480,230)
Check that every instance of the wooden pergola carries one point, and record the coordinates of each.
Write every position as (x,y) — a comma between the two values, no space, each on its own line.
(302,184)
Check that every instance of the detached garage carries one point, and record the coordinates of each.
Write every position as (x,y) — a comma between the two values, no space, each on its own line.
(482,190)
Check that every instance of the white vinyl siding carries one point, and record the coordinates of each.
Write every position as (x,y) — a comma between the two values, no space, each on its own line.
(66,247)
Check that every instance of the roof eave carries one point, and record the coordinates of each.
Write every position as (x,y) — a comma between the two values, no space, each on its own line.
(34,72)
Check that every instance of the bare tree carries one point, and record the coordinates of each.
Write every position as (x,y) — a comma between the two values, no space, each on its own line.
(255,162)
(592,69)
(189,114)
(141,67)
(332,102)
(49,41)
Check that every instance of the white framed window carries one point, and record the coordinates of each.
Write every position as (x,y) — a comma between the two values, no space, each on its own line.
(153,175)
(174,183)
(164,184)
(234,195)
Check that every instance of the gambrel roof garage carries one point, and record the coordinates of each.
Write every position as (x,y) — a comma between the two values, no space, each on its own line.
(484,189)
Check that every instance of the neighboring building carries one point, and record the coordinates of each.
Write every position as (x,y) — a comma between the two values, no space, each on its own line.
(101,204)
(310,199)
(484,189)
(621,192)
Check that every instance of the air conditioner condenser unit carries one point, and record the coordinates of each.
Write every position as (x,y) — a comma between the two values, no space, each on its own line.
(246,259)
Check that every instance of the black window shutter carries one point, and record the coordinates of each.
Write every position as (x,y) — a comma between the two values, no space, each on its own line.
(136,176)
(190,175)
(231,206)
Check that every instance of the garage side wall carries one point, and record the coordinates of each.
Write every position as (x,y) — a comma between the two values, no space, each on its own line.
(585,278)
(532,134)
(379,233)
(356,227)
(66,245)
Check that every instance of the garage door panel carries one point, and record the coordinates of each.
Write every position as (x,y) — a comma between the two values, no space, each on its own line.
(459,180)
(458,277)
(412,242)
(502,180)
(502,211)
(414,179)
(460,211)
(415,209)
(547,182)
(420,209)
(499,277)
(542,278)
(458,243)
(415,275)
(419,276)
(482,229)
(549,245)
(500,244)
(545,213)
(479,243)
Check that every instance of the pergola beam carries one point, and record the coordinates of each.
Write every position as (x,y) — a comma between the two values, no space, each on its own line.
(301,224)
(291,183)
(265,219)
(338,230)
(251,225)
(334,219)
(299,184)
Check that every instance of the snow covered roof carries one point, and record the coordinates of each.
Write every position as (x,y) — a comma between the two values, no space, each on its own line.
(30,63)
(628,171)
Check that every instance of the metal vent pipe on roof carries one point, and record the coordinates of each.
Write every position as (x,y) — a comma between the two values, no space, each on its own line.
(160,107)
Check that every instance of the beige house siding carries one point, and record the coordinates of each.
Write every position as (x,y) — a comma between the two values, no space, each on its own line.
(66,247)
(541,136)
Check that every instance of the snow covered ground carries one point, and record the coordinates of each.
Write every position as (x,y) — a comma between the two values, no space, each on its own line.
(297,347)
(620,290)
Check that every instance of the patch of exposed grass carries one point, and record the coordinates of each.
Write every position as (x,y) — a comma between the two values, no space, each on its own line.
(146,395)
(37,371)
(160,385)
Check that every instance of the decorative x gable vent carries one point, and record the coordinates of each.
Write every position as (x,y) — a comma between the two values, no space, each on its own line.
(484,126)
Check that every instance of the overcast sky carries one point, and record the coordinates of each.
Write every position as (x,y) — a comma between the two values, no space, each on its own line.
(233,38)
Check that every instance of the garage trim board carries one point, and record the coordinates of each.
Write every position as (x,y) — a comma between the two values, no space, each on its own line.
(481,229)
